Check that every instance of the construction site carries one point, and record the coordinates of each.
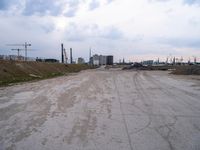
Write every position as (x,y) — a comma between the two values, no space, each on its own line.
(99,75)
(98,105)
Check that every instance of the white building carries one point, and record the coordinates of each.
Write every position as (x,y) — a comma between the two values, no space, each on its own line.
(102,60)
(96,60)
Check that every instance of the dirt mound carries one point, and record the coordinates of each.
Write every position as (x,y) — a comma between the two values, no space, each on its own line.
(176,69)
(135,66)
(17,71)
(139,66)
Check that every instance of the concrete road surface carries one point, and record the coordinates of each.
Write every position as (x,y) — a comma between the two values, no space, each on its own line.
(102,110)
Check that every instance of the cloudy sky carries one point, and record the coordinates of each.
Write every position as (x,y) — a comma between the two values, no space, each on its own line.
(133,29)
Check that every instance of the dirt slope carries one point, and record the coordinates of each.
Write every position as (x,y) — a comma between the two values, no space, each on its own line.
(17,71)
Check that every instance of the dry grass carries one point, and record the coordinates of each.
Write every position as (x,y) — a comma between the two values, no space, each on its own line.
(187,70)
(17,71)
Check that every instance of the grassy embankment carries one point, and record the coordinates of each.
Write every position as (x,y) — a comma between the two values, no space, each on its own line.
(18,71)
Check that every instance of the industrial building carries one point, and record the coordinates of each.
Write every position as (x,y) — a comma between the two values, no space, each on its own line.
(50,60)
(102,60)
(81,60)
(148,62)
(16,57)
(99,60)
(110,60)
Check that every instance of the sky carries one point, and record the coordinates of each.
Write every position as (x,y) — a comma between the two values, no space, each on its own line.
(132,29)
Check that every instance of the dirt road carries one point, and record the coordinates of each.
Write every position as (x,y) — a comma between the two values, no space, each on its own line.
(102,110)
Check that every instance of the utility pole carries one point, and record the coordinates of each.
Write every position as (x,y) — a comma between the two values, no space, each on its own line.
(90,55)
(71,58)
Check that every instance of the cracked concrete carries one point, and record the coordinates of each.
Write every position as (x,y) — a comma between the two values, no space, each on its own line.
(102,110)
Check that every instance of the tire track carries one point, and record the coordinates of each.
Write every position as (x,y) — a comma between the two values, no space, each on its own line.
(122,112)
(166,90)
(143,96)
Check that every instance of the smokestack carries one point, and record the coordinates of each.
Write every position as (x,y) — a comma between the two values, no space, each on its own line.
(62,56)
(71,59)
(90,57)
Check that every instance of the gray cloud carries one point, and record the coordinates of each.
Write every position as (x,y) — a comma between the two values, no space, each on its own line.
(28,24)
(158,0)
(112,33)
(42,7)
(73,3)
(94,4)
(180,42)
(110,1)
(191,2)
(71,12)
(80,33)
(194,21)
(73,33)
(73,8)
(48,28)
(4,4)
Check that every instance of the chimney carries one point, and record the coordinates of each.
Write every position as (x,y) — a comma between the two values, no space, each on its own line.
(62,56)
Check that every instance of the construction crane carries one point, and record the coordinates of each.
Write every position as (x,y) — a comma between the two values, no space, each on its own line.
(25,47)
(17,51)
